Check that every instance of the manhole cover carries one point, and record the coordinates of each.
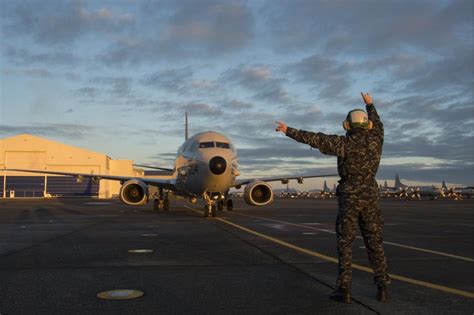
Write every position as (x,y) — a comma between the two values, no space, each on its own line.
(120,294)
(140,251)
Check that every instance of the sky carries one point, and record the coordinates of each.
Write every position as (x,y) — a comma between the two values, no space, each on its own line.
(117,77)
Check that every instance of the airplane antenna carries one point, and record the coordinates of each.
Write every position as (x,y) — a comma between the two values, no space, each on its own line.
(186,126)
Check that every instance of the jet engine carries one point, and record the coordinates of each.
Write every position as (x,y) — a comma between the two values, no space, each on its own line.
(258,193)
(134,192)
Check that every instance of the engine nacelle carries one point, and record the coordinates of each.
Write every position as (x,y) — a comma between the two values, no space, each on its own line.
(134,192)
(258,193)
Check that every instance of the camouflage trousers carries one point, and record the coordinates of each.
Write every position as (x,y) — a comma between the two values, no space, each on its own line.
(361,209)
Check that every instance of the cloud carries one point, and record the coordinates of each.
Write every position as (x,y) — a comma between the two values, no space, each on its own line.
(21,56)
(184,29)
(119,86)
(60,22)
(200,109)
(368,27)
(260,80)
(330,77)
(172,80)
(237,106)
(212,26)
(70,131)
(87,92)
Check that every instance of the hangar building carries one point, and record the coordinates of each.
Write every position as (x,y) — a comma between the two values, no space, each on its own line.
(26,151)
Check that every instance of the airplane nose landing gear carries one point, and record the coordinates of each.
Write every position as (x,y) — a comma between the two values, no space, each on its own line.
(213,203)
(210,209)
(216,202)
(161,201)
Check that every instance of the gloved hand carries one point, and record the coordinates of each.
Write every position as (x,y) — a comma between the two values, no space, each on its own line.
(281,126)
(367,98)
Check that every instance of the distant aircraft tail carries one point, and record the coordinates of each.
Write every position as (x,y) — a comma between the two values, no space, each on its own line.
(443,185)
(325,187)
(398,183)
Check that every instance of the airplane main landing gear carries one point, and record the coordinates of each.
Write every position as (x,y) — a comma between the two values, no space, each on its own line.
(230,205)
(161,201)
(220,205)
(166,204)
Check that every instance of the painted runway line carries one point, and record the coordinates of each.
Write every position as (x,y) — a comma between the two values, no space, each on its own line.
(334,260)
(359,237)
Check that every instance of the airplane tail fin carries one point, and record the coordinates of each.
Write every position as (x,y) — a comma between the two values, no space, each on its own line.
(325,188)
(186,126)
(443,185)
(398,183)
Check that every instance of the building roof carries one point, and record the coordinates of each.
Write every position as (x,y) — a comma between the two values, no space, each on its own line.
(27,136)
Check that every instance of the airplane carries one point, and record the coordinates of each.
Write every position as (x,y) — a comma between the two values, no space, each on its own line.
(406,192)
(205,167)
(326,192)
(458,193)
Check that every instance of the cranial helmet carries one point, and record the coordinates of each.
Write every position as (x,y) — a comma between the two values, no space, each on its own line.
(357,118)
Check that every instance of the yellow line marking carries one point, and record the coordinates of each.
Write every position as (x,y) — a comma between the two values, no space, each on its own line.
(355,266)
(334,260)
(388,243)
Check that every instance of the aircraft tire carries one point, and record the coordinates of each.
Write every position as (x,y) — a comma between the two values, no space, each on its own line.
(214,211)
(156,205)
(206,211)
(230,205)
(220,205)
(166,205)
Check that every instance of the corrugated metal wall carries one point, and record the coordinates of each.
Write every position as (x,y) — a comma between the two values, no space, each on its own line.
(25,186)
(33,186)
(69,187)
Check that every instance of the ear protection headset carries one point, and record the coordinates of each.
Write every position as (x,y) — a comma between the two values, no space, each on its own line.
(357,118)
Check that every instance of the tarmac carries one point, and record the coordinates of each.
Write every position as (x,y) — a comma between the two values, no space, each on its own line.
(57,255)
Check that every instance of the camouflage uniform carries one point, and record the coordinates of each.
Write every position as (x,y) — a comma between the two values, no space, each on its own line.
(358,158)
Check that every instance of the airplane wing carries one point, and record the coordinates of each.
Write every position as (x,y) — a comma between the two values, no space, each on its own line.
(157,182)
(284,180)
(154,167)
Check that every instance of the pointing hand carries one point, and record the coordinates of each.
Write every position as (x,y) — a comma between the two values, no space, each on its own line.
(281,126)
(367,98)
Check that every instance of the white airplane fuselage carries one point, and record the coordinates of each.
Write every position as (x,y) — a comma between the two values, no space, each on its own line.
(206,164)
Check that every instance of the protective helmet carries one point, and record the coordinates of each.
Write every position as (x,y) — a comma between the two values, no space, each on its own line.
(357,118)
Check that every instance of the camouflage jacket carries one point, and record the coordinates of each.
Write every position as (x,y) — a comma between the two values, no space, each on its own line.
(358,152)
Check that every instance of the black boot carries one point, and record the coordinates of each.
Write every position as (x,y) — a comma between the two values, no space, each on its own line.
(341,295)
(382,293)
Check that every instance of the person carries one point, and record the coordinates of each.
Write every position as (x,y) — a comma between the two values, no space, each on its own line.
(358,158)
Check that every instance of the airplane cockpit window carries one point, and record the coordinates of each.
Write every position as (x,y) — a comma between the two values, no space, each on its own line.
(222,145)
(206,145)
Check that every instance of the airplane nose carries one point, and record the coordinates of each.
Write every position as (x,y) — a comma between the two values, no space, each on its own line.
(217,165)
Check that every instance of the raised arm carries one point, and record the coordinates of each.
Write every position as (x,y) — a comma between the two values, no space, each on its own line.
(327,144)
(372,113)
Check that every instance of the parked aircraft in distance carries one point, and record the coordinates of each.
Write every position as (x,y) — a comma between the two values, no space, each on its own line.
(406,192)
(205,167)
(458,193)
(325,192)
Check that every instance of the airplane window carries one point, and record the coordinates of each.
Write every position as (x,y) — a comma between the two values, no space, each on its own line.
(222,145)
(206,145)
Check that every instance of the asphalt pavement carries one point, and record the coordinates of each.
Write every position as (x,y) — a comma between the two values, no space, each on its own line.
(57,255)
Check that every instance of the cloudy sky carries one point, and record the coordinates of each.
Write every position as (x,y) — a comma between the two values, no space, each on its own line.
(117,76)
